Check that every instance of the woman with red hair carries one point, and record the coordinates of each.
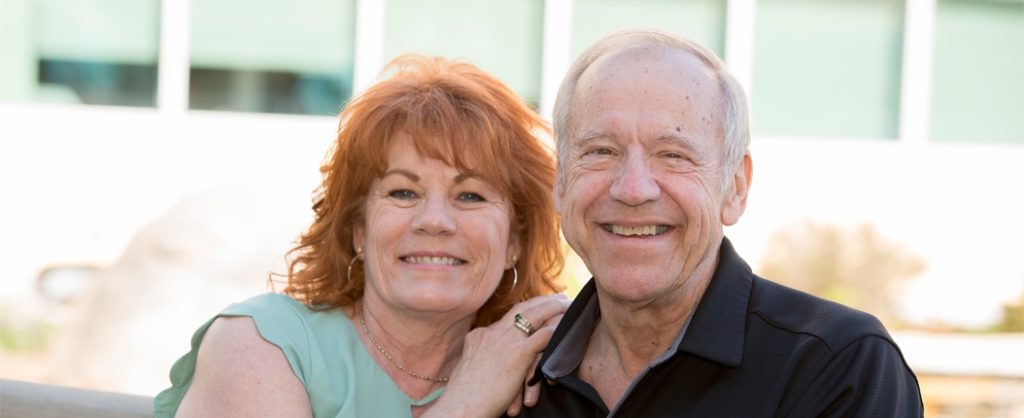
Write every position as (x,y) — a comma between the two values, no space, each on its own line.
(426,284)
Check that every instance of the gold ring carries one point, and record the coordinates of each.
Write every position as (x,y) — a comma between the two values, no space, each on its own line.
(523,324)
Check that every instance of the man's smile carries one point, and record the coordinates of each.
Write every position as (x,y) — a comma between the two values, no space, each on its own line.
(635,231)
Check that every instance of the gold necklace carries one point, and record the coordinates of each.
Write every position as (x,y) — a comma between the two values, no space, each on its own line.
(401,367)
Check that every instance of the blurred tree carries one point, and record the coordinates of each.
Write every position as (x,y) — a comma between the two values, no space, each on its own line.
(855,266)
(1013,317)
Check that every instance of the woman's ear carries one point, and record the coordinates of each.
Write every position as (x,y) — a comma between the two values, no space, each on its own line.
(358,239)
(512,254)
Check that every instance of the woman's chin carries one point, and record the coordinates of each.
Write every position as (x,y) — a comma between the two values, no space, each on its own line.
(429,302)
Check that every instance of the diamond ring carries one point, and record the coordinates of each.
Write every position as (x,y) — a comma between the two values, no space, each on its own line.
(523,324)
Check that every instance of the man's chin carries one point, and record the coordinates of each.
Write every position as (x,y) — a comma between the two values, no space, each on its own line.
(633,286)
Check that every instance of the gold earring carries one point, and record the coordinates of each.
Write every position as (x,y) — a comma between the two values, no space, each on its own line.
(348,274)
(359,253)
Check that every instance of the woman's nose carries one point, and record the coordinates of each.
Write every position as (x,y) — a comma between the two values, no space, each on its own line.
(435,217)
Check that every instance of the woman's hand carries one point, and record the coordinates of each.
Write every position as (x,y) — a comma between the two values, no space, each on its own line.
(530,393)
(497,360)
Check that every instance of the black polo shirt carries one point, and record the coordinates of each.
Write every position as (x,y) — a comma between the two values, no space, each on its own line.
(753,348)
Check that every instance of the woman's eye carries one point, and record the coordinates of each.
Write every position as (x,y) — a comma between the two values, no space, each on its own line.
(471,197)
(404,194)
(602,151)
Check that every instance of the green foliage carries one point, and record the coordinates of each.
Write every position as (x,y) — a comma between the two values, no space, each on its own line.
(1013,317)
(33,336)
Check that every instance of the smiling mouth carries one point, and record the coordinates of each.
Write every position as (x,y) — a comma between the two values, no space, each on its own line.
(434,261)
(636,231)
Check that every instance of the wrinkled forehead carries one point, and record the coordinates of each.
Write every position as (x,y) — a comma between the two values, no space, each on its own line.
(648,71)
(650,80)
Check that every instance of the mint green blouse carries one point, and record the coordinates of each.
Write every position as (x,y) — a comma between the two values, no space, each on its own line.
(324,351)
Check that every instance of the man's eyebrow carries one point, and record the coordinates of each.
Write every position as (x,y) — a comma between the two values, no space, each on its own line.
(402,172)
(591,135)
(679,140)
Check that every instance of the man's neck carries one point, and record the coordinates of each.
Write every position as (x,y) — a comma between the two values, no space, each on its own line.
(642,334)
(631,336)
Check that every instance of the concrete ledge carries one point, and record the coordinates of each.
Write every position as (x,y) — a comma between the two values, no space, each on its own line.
(36,400)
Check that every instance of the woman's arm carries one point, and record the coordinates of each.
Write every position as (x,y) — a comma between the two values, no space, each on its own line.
(239,374)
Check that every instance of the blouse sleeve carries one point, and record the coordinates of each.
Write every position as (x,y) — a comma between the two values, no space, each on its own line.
(277,320)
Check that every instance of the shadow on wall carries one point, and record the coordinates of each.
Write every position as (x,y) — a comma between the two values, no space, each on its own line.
(138,315)
(854,265)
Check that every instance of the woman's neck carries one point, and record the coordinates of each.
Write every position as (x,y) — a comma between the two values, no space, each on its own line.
(419,352)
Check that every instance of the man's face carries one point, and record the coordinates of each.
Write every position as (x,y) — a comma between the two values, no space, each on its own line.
(642,203)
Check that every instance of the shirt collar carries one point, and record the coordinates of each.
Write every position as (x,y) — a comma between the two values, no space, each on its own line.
(567,355)
(718,325)
(715,331)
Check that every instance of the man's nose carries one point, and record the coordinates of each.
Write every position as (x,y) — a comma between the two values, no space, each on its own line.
(435,217)
(635,184)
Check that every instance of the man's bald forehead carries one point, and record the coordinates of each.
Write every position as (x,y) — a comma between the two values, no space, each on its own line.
(619,70)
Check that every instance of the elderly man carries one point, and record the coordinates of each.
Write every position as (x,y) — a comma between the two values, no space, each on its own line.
(652,139)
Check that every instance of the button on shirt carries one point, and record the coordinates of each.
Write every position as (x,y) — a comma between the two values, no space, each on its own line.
(752,348)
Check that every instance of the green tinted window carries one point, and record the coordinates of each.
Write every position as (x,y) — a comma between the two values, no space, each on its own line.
(79,51)
(700,20)
(271,55)
(827,68)
(978,78)
(502,37)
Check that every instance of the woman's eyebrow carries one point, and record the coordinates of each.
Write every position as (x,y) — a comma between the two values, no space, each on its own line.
(402,172)
(466,176)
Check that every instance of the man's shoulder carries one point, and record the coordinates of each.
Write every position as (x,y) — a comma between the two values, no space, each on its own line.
(794,311)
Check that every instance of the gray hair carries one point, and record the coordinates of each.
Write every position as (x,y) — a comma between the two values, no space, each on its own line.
(737,122)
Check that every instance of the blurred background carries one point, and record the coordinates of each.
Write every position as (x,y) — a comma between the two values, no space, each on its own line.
(158,158)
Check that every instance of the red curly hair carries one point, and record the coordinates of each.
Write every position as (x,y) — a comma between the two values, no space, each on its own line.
(454,112)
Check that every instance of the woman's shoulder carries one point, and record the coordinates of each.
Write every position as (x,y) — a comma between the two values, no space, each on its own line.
(283,319)
(268,303)
(257,332)
(233,351)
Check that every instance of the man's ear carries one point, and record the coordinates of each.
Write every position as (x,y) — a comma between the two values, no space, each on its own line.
(735,199)
(557,197)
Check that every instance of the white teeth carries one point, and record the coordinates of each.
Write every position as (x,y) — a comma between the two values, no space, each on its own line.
(440,261)
(629,231)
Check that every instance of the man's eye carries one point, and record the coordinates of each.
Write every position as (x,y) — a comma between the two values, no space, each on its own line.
(404,194)
(601,151)
(471,197)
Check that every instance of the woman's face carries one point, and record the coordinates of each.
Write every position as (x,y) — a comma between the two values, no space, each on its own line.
(434,240)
